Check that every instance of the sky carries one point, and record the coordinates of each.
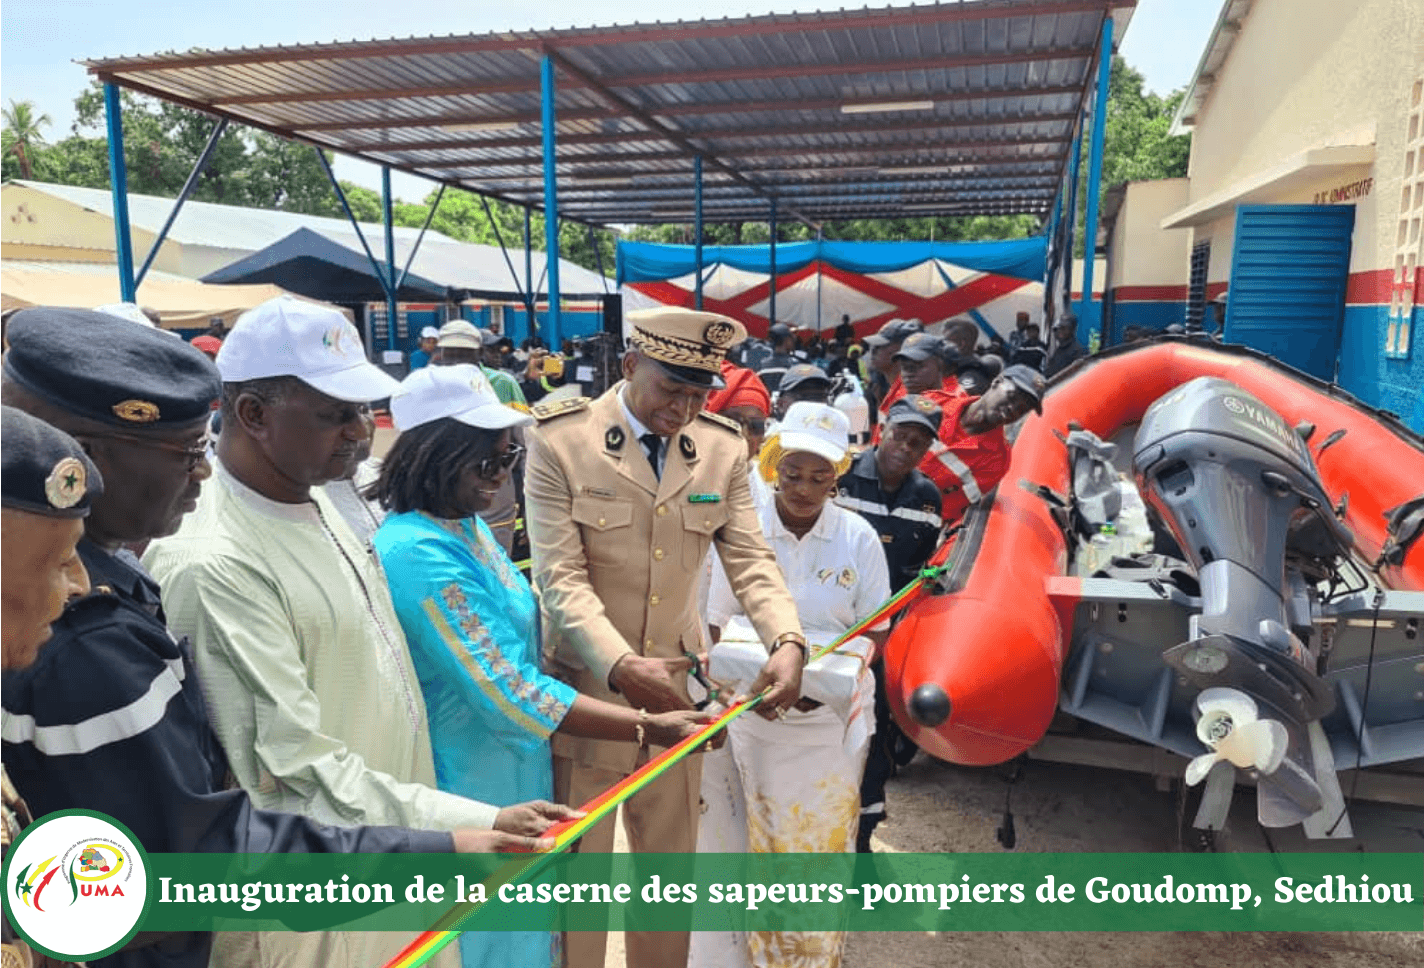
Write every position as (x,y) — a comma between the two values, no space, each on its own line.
(40,40)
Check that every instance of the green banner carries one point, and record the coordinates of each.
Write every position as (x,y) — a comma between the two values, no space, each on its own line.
(808,892)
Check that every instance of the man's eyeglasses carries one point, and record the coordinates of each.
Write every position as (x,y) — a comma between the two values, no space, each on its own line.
(754,425)
(491,466)
(192,453)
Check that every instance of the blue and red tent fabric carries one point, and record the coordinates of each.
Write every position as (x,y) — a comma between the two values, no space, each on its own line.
(818,283)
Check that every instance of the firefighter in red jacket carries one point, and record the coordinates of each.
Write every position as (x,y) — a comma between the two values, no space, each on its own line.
(972,454)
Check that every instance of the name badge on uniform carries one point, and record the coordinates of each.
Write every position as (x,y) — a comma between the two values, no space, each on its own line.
(704,499)
(598,492)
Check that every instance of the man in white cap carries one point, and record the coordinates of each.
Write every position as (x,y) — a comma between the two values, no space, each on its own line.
(425,349)
(309,679)
(625,494)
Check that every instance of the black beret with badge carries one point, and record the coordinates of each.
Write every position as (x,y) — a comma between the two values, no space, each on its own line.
(687,343)
(106,368)
(44,470)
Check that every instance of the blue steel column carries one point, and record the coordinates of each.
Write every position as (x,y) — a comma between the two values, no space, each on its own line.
(771,309)
(119,185)
(1095,174)
(1072,212)
(697,228)
(551,198)
(389,283)
(530,297)
(1052,235)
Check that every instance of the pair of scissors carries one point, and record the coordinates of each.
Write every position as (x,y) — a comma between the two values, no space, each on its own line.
(714,688)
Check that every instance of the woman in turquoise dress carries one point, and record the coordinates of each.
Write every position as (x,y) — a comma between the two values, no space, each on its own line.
(472,621)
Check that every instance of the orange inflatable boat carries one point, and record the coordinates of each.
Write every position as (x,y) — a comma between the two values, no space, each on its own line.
(976,670)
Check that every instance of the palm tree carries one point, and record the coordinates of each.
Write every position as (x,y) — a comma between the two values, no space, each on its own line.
(23,127)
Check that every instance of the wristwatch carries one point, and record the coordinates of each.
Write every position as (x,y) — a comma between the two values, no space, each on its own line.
(792,638)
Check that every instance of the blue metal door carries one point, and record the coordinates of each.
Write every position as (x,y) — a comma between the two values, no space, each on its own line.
(1288,273)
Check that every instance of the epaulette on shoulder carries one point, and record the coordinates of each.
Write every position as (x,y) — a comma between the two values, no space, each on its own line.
(101,598)
(725,422)
(558,408)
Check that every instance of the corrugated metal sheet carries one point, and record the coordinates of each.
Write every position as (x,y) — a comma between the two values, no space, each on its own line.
(984,88)
(219,226)
(1289,265)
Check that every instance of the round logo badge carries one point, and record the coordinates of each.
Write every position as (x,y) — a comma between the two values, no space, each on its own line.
(136,411)
(66,484)
(76,885)
(1234,405)
(719,334)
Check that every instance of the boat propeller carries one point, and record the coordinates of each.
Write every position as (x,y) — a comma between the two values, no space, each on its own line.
(1231,726)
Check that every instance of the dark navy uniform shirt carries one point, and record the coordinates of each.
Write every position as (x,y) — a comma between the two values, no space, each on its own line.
(907,521)
(111,718)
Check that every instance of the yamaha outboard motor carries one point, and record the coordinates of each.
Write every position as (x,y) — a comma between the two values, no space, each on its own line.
(1240,492)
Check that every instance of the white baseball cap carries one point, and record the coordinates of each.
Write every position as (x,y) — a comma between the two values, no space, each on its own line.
(460,392)
(816,428)
(316,344)
(430,332)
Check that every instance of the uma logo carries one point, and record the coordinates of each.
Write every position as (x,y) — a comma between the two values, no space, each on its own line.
(76,885)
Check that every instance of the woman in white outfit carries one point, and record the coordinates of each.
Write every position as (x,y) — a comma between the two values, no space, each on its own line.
(793,785)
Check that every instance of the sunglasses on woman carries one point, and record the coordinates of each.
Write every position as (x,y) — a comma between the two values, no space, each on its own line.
(491,466)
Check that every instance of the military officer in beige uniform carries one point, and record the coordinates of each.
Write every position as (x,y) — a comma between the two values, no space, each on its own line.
(624,495)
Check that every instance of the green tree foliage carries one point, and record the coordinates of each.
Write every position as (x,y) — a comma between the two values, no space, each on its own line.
(1136,145)
(22,135)
(968,229)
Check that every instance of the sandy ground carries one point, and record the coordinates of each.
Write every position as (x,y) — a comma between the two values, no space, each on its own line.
(938,807)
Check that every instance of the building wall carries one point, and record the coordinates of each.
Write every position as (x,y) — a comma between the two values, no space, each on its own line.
(34,225)
(1306,74)
(1090,318)
(1149,268)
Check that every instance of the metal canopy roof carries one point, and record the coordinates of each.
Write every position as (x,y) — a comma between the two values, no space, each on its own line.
(948,109)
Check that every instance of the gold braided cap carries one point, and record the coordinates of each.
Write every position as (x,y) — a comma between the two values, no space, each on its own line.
(685,337)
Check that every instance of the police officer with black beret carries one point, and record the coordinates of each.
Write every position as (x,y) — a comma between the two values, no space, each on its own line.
(46,485)
(138,401)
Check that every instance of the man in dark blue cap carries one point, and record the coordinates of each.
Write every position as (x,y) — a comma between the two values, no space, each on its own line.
(926,365)
(971,455)
(803,382)
(139,748)
(903,506)
(883,386)
(784,355)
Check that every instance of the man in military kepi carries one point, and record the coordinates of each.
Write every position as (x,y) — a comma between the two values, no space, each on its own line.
(625,493)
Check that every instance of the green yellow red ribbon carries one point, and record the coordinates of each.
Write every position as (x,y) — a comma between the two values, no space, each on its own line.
(429,943)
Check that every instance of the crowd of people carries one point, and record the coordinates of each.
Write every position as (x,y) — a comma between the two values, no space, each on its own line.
(264,638)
